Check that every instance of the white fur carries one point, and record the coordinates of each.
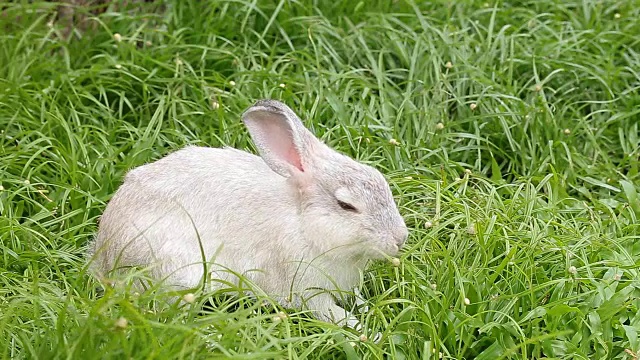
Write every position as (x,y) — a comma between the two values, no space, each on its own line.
(275,219)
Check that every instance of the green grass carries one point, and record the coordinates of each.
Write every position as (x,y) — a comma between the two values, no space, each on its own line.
(540,102)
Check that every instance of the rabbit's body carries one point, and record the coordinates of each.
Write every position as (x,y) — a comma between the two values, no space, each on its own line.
(274,245)
(299,220)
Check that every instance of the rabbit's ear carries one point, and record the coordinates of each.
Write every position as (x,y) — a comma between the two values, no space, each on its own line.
(281,138)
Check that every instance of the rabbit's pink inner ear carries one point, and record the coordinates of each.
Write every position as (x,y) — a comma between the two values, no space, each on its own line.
(280,141)
(275,138)
(295,158)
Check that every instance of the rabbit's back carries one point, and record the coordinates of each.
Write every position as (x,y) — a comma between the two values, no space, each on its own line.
(201,168)
(164,211)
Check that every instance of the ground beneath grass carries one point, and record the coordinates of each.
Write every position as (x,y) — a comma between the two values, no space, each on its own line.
(509,131)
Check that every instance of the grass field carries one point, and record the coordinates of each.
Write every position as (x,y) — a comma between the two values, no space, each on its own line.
(509,131)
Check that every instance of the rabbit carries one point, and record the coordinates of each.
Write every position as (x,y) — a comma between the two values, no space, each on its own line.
(301,220)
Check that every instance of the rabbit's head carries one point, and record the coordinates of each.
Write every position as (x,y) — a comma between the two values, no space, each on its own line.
(345,208)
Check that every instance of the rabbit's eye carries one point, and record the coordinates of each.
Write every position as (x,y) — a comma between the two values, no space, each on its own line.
(347,206)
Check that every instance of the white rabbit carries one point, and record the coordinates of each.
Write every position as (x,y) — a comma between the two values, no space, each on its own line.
(300,222)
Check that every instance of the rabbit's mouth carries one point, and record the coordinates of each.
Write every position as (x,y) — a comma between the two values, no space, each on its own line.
(394,244)
(395,249)
(386,249)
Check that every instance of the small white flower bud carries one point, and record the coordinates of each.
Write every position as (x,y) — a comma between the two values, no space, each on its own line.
(189,298)
(121,323)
